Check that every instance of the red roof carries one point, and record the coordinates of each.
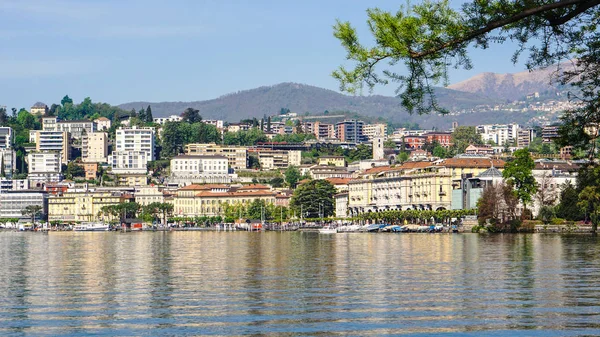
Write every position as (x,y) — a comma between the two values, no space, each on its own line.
(235,194)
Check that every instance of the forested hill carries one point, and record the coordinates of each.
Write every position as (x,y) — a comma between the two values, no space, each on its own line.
(301,98)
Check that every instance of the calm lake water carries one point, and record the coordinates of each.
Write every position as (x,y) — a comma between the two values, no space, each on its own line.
(239,283)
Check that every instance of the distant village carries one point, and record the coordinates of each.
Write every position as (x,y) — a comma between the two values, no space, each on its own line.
(398,169)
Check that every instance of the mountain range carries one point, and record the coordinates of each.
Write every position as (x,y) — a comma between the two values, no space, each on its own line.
(487,89)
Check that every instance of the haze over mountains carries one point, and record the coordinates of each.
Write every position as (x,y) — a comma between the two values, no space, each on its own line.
(481,90)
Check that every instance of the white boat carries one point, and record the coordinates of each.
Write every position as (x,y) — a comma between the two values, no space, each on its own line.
(91,227)
(327,230)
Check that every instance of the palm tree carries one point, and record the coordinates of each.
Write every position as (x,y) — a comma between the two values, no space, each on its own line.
(33,211)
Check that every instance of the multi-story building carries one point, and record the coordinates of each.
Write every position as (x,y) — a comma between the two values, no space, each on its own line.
(75,128)
(44,166)
(375,130)
(13,203)
(237,156)
(549,133)
(83,205)
(6,137)
(443,138)
(500,134)
(13,184)
(128,162)
(102,124)
(200,169)
(136,139)
(276,159)
(211,200)
(91,170)
(339,161)
(320,130)
(341,205)
(525,137)
(216,122)
(414,185)
(8,162)
(479,149)
(57,141)
(350,131)
(145,195)
(94,147)
(163,120)
(236,127)
(39,109)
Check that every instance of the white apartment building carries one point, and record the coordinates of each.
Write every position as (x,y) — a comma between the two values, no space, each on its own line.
(128,162)
(6,137)
(237,156)
(44,166)
(57,141)
(200,169)
(13,184)
(145,195)
(102,124)
(373,130)
(12,203)
(8,162)
(163,120)
(136,139)
(216,122)
(76,129)
(499,133)
(341,205)
(94,147)
(276,159)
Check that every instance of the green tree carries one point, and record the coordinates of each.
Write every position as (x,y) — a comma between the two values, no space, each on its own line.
(432,36)
(402,157)
(463,136)
(313,196)
(440,152)
(389,144)
(191,115)
(33,211)
(269,124)
(149,117)
(519,173)
(258,210)
(3,116)
(72,170)
(66,100)
(567,208)
(292,176)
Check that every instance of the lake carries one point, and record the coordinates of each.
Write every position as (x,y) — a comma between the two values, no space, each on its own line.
(293,283)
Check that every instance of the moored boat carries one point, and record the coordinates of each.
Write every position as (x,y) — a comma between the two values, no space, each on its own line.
(91,227)
(327,230)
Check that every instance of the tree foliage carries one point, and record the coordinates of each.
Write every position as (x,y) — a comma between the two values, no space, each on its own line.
(176,135)
(432,36)
(292,176)
(463,136)
(313,196)
(567,208)
(519,173)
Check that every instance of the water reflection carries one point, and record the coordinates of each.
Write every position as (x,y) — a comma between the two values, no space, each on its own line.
(240,283)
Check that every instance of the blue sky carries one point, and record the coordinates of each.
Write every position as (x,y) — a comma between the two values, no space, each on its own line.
(118,51)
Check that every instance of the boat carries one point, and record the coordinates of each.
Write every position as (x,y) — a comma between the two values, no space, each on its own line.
(375,227)
(327,230)
(91,227)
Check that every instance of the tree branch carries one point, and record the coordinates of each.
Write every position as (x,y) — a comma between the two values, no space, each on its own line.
(520,16)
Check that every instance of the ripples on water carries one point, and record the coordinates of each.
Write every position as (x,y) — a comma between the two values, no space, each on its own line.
(238,283)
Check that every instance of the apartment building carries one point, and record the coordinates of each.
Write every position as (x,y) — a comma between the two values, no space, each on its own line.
(549,133)
(8,162)
(339,161)
(237,156)
(73,206)
(320,130)
(6,137)
(413,185)
(76,128)
(211,200)
(525,137)
(350,131)
(94,147)
(136,139)
(442,138)
(278,159)
(375,130)
(39,109)
(7,184)
(102,124)
(500,134)
(13,202)
(44,166)
(145,195)
(57,141)
(163,120)
(128,162)
(200,169)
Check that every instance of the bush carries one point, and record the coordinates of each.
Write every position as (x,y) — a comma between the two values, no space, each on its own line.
(557,221)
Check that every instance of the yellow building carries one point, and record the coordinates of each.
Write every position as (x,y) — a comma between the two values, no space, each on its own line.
(237,156)
(413,185)
(210,199)
(132,179)
(338,161)
(82,205)
(464,166)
